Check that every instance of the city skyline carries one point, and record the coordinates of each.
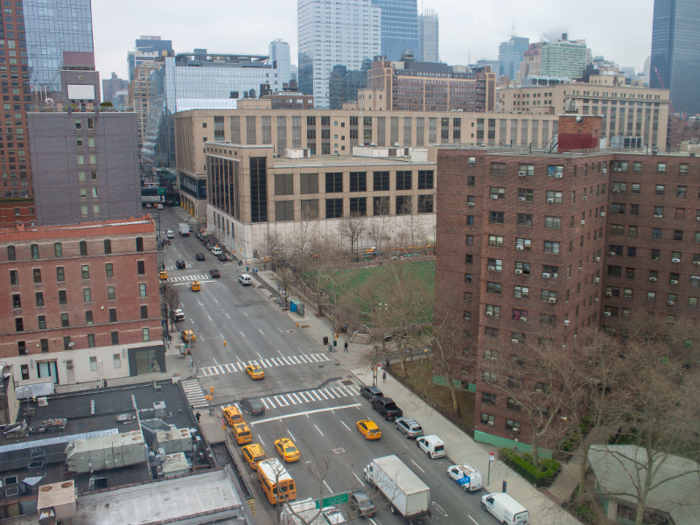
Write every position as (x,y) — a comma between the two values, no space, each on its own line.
(206,27)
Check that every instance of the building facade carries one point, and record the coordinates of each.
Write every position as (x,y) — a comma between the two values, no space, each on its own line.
(399,27)
(62,26)
(334,33)
(280,56)
(423,86)
(82,302)
(252,194)
(141,93)
(627,111)
(147,49)
(428,36)
(510,56)
(563,58)
(110,87)
(86,166)
(345,85)
(674,44)
(571,241)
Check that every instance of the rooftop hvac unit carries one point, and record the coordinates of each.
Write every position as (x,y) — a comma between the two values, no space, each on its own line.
(597,279)
(470,204)
(519,247)
(514,341)
(494,196)
(652,279)
(583,221)
(492,268)
(490,423)
(602,214)
(552,300)
(522,199)
(675,261)
(558,175)
(671,303)
(523,319)
(518,271)
(606,314)
(608,294)
(673,281)
(522,174)
(550,201)
(546,276)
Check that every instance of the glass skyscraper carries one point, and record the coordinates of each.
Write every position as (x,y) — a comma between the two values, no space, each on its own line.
(675,54)
(510,55)
(52,27)
(399,27)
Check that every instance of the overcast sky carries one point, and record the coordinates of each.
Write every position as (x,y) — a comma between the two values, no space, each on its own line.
(618,29)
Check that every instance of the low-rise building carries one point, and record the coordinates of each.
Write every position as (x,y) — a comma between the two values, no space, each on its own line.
(82,302)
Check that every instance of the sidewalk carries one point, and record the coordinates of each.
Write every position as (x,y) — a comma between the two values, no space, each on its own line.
(460,447)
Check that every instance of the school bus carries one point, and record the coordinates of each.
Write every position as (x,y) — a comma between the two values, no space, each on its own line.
(276,482)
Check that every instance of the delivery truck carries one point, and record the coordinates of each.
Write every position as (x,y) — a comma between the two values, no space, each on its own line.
(184,228)
(408,496)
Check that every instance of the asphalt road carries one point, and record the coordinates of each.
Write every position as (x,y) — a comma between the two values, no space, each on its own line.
(309,396)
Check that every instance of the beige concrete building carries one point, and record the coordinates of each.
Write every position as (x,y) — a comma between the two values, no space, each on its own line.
(141,90)
(627,111)
(252,192)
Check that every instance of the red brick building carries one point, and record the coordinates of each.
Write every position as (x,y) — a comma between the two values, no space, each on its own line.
(571,239)
(17,211)
(82,302)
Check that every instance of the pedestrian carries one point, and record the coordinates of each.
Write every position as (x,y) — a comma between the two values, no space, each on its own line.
(198,415)
(346,346)
(384,376)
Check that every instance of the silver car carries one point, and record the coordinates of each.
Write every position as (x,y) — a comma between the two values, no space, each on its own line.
(410,427)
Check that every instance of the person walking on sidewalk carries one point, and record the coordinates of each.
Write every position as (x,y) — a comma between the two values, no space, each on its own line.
(346,346)
(384,376)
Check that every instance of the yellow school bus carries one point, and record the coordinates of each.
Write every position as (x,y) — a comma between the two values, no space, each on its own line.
(276,482)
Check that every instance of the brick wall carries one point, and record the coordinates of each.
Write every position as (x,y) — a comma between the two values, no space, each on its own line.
(579,132)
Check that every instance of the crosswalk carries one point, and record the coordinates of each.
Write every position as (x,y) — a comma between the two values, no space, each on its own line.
(310,396)
(173,267)
(183,278)
(194,393)
(270,362)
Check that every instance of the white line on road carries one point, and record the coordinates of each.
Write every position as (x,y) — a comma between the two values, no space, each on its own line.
(319,431)
(222,335)
(246,314)
(295,397)
(343,422)
(242,333)
(200,303)
(358,479)
(209,316)
(239,359)
(290,435)
(416,464)
(472,519)
(278,328)
(317,411)
(228,316)
(217,302)
(280,353)
(440,509)
(285,360)
(191,321)
(326,484)
(261,440)
(263,333)
(217,364)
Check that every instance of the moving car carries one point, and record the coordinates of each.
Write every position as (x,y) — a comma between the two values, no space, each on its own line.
(199,257)
(409,427)
(369,429)
(506,509)
(286,448)
(245,280)
(465,476)
(252,454)
(180,264)
(196,287)
(214,273)
(178,315)
(232,415)
(371,393)
(170,234)
(361,504)
(163,276)
(432,445)
(255,372)
(188,335)
(216,250)
(386,408)
(253,407)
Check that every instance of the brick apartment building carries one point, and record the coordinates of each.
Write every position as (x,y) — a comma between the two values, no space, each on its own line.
(572,239)
(82,302)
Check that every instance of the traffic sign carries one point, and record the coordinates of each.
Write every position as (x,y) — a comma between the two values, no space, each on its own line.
(335,499)
(161,191)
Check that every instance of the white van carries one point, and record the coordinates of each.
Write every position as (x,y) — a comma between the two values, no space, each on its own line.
(245,280)
(216,250)
(505,509)
(432,445)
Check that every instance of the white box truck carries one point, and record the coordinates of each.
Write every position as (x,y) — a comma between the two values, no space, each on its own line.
(184,229)
(505,508)
(407,494)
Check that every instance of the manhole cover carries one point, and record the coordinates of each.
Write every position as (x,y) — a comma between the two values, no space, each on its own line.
(340,450)
(305,326)
(321,366)
(347,382)
(291,331)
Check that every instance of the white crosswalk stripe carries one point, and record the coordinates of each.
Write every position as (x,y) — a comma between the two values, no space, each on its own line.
(264,363)
(310,396)
(194,393)
(173,267)
(184,278)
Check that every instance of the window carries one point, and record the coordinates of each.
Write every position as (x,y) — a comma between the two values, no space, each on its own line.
(619,187)
(470,220)
(498,168)
(658,211)
(36,272)
(142,289)
(655,254)
(553,223)
(470,241)
(489,399)
(467,316)
(425,204)
(551,247)
(64,320)
(467,278)
(494,288)
(467,297)
(60,274)
(334,208)
(491,333)
(617,229)
(39,298)
(145,334)
(334,182)
(651,297)
(67,343)
(87,296)
(85,270)
(112,315)
(381,181)
(634,209)
(615,271)
(35,251)
(358,181)
(108,246)
(524,219)
(660,189)
(497,193)
(117,360)
(633,231)
(115,338)
(523,244)
(554,197)
(495,265)
(83,248)
(523,268)
(636,188)
(139,244)
(471,180)
(680,213)
(519,315)
(404,205)
(656,233)
(496,217)
(496,240)
(493,311)
(62,297)
(141,267)
(661,167)
(88,317)
(111,294)
(617,208)
(677,235)
(546,295)
(682,192)
(144,311)
(637,166)
(527,169)
(522,292)
(487,419)
(93,364)
(468,258)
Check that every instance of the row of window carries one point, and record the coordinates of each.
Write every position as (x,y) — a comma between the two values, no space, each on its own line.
(58,249)
(68,344)
(358,182)
(84,272)
(63,296)
(65,320)
(635,188)
(284,210)
(680,213)
(116,358)
(661,167)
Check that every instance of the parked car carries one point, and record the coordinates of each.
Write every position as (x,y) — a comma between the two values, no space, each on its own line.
(253,407)
(214,273)
(178,315)
(410,427)
(245,280)
(199,257)
(432,445)
(506,508)
(386,408)
(159,206)
(253,454)
(170,234)
(180,264)
(371,393)
(286,448)
(187,336)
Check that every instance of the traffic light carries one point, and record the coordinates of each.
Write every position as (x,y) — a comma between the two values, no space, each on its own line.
(335,340)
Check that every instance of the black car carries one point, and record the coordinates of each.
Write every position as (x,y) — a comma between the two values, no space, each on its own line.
(180,265)
(386,408)
(371,393)
(361,504)
(199,256)
(214,273)
(253,407)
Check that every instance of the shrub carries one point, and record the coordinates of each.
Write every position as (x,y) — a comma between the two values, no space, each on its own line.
(541,476)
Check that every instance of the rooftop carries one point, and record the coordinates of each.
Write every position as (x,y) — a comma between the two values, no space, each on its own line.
(84,229)
(345,160)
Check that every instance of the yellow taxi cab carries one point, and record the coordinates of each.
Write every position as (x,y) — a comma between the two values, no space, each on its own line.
(255,372)
(287,449)
(163,275)
(241,433)
(369,429)
(252,454)
(232,415)
(196,287)
(188,335)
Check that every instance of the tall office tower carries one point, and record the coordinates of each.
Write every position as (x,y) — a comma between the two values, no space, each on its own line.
(54,29)
(345,84)
(674,52)
(510,55)
(334,33)
(563,58)
(110,87)
(147,49)
(399,27)
(428,36)
(279,52)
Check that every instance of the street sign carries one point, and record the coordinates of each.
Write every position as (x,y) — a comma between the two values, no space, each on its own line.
(161,191)
(335,499)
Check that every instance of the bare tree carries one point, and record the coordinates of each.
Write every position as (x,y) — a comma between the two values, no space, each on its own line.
(379,225)
(351,229)
(172,300)
(273,246)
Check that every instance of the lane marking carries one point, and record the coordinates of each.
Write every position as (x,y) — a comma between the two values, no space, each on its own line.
(439,508)
(267,407)
(242,333)
(292,400)
(295,397)
(209,316)
(301,394)
(358,479)
(263,333)
(416,464)
(317,396)
(239,359)
(319,431)
(475,523)
(295,360)
(200,303)
(222,335)
(320,392)
(246,314)
(217,302)
(228,316)
(324,481)
(343,422)
(297,414)
(261,440)
(285,360)
(281,401)
(290,435)
(278,328)
(314,358)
